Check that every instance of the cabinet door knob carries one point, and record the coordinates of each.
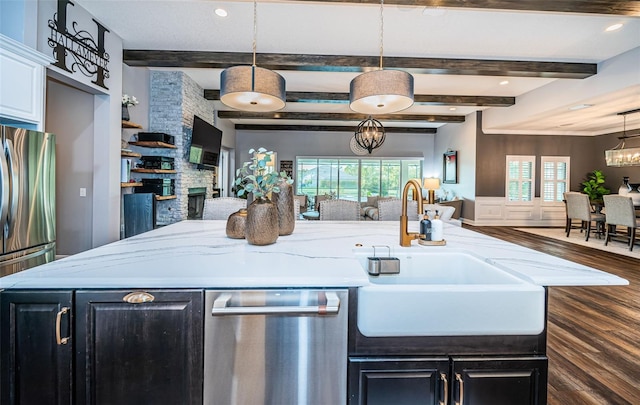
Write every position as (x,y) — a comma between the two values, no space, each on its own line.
(138,297)
(60,340)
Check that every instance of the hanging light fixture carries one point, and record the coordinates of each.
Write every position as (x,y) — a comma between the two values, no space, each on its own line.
(381,91)
(251,88)
(370,134)
(619,156)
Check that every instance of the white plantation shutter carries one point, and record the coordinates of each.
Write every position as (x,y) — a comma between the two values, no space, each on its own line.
(520,182)
(555,178)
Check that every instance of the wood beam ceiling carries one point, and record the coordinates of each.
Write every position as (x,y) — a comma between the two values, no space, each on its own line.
(330,128)
(339,116)
(629,7)
(345,63)
(419,99)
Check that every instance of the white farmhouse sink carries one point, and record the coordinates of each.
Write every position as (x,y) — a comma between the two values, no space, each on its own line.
(448,293)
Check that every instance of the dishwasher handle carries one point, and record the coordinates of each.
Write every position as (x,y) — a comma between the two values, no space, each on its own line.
(221,307)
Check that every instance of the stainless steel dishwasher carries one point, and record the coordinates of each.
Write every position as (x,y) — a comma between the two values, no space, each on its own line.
(275,347)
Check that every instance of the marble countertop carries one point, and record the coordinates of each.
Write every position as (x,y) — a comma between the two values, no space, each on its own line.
(197,254)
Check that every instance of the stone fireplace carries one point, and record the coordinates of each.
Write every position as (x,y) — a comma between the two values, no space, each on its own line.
(195,203)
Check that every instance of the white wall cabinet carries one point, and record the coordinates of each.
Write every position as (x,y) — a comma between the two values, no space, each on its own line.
(22,82)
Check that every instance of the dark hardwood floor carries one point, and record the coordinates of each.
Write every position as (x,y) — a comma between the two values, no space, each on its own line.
(593,332)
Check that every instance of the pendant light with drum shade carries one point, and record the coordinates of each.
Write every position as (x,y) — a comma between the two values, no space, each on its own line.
(381,91)
(252,88)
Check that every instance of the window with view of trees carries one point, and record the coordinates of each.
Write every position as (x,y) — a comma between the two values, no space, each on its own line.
(520,178)
(555,178)
(355,179)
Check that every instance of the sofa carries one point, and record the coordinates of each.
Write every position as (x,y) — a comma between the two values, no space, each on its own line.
(370,210)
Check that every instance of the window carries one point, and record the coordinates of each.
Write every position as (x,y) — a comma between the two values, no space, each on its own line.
(520,183)
(355,179)
(554,178)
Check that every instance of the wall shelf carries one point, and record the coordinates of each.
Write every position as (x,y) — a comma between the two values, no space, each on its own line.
(129,124)
(165,197)
(153,144)
(130,184)
(154,171)
(126,153)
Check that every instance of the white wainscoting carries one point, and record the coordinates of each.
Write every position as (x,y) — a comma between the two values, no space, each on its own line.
(495,211)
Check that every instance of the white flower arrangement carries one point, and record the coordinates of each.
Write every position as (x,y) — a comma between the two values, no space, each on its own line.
(129,100)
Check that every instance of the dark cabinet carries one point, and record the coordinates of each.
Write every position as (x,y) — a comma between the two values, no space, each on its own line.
(500,381)
(435,381)
(36,366)
(398,381)
(139,348)
(101,347)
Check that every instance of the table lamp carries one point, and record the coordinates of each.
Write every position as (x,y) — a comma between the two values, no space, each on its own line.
(432,184)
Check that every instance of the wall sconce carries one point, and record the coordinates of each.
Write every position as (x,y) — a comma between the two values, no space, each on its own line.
(432,184)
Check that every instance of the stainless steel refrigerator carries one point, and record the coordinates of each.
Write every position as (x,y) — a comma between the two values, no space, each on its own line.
(28,195)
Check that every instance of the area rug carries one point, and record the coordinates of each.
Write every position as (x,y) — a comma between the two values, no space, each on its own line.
(577,237)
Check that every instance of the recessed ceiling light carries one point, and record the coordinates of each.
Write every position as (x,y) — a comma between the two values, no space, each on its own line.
(221,12)
(452,108)
(580,107)
(613,27)
(504,82)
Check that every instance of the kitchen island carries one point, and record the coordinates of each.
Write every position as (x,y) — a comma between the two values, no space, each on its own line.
(130,322)
(197,254)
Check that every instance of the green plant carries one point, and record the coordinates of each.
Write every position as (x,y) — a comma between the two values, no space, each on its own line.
(594,187)
(256,177)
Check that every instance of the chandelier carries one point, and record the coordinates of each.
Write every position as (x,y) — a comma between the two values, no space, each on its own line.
(619,155)
(370,134)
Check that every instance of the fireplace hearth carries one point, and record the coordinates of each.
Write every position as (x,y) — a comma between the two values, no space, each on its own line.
(195,202)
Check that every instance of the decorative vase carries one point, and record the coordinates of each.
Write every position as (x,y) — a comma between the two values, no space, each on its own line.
(262,222)
(125,113)
(236,224)
(286,209)
(634,193)
(625,187)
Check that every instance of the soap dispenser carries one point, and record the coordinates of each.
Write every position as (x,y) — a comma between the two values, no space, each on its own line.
(437,228)
(425,227)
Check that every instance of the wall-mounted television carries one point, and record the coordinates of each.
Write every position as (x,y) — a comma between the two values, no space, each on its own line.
(206,141)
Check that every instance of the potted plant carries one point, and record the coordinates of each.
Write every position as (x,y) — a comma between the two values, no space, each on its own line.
(127,100)
(257,178)
(594,187)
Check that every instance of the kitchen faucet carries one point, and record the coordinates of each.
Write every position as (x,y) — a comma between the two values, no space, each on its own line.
(405,236)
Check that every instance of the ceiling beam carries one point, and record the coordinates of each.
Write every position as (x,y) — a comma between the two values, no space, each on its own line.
(345,63)
(419,99)
(338,116)
(629,7)
(330,128)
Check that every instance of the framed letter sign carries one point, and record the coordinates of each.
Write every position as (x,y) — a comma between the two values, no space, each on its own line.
(450,167)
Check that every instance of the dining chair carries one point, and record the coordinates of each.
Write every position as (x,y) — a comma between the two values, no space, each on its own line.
(222,207)
(391,209)
(319,198)
(339,210)
(302,201)
(579,208)
(619,211)
(296,209)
